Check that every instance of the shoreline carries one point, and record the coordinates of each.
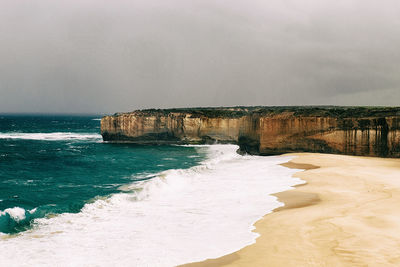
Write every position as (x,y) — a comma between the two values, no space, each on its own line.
(346,214)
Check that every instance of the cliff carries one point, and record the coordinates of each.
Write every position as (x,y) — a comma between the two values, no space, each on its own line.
(265,130)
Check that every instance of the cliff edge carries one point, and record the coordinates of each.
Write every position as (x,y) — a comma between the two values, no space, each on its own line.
(366,131)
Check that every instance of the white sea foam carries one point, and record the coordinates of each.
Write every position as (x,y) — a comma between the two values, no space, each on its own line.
(17,213)
(56,136)
(180,216)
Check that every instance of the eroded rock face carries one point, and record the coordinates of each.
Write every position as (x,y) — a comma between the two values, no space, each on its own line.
(351,136)
(174,127)
(265,131)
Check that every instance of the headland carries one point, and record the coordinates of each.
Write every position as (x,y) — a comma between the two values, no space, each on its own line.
(363,131)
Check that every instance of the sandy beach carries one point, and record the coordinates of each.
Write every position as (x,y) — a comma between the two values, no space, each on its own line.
(348,214)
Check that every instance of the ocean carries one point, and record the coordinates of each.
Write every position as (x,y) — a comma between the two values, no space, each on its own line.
(69,199)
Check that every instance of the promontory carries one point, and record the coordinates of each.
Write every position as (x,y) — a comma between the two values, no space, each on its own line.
(365,131)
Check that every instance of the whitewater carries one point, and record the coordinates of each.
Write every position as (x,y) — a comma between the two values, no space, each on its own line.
(54,136)
(176,217)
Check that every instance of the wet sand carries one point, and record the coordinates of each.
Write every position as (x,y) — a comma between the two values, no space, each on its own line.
(348,214)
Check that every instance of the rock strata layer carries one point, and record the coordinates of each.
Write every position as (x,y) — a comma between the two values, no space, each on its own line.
(265,130)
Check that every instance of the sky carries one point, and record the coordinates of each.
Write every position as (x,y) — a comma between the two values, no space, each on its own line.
(101,56)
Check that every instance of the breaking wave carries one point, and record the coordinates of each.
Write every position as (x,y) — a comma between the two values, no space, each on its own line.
(177,216)
(15,218)
(56,136)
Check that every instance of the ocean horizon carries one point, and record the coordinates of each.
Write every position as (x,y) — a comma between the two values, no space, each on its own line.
(66,192)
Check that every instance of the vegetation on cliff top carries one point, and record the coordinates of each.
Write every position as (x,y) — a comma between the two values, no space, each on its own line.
(240,111)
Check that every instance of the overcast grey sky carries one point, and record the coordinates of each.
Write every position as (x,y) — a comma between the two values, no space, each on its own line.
(102,56)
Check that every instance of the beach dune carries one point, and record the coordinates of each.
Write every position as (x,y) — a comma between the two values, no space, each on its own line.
(348,214)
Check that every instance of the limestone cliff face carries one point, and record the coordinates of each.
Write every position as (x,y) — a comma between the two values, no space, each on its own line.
(353,136)
(174,127)
(265,131)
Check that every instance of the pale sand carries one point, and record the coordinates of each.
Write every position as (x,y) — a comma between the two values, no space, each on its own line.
(348,214)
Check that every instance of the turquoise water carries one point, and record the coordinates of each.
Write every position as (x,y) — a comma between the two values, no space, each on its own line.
(69,199)
(56,164)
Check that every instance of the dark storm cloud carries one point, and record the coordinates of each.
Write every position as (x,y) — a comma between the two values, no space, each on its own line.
(107,56)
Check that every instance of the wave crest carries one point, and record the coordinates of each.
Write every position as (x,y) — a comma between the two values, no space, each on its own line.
(15,218)
(55,136)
